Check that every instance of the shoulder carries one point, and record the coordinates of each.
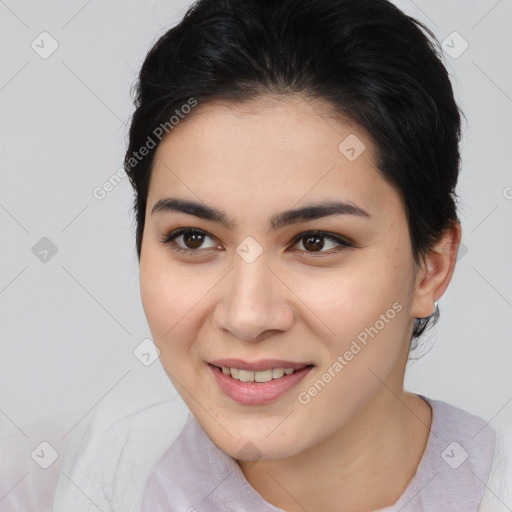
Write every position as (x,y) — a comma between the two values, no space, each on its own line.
(498,495)
(30,460)
(489,447)
(465,436)
(110,463)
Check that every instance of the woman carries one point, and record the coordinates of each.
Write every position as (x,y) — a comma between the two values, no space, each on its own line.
(294,166)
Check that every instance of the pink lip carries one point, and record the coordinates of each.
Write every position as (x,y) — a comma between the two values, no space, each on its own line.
(257,366)
(252,393)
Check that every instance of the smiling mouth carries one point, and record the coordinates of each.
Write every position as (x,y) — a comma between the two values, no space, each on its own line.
(259,376)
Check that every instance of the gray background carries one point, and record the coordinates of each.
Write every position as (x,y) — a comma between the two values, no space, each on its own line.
(69,324)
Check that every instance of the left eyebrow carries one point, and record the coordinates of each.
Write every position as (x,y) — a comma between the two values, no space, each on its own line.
(288,217)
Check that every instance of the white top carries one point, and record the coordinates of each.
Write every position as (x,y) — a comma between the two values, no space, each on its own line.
(195,475)
(110,464)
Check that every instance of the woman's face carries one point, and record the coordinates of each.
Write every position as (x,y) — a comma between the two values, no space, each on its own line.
(254,289)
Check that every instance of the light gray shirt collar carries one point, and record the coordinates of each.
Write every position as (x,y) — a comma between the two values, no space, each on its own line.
(194,475)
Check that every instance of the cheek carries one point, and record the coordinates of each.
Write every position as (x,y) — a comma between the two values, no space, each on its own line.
(173,298)
(364,352)
(354,298)
(366,312)
(165,296)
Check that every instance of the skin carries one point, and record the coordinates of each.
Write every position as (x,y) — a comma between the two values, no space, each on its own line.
(253,160)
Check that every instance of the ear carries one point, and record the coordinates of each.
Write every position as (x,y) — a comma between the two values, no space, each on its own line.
(435,272)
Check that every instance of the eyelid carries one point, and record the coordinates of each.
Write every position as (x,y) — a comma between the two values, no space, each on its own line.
(343,241)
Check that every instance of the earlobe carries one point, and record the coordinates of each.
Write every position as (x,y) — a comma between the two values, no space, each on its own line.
(436,272)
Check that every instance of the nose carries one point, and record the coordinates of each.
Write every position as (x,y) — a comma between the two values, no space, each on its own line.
(254,301)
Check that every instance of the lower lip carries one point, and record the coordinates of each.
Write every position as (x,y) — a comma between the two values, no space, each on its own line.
(251,393)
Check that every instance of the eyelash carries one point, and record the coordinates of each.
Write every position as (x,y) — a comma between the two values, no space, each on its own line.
(170,237)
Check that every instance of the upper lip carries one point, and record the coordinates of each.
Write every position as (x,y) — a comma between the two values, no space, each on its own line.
(257,366)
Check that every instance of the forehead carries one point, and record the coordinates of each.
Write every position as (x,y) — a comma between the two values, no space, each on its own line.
(273,153)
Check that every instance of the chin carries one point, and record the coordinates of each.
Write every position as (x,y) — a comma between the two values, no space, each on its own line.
(254,443)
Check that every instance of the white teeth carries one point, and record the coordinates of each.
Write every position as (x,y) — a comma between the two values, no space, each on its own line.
(245,375)
(251,376)
(277,373)
(265,376)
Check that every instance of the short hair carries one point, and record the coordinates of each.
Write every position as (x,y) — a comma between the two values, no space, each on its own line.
(370,61)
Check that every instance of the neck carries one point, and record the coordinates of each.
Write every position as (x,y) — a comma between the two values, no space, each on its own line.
(350,471)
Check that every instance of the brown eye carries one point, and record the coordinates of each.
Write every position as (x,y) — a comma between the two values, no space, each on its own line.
(314,242)
(192,240)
